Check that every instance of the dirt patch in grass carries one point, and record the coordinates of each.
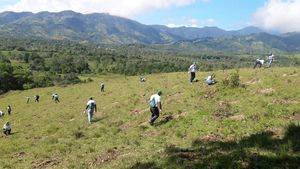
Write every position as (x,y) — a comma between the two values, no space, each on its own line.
(49,163)
(266,91)
(296,115)
(210,94)
(253,81)
(223,110)
(284,101)
(237,117)
(138,112)
(19,155)
(210,138)
(108,156)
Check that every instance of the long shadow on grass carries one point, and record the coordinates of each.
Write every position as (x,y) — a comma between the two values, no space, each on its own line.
(259,150)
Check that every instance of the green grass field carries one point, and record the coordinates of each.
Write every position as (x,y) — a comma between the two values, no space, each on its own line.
(255,126)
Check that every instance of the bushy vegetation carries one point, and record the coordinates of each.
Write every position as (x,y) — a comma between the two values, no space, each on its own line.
(42,63)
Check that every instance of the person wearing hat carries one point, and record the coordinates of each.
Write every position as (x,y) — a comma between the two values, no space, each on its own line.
(7,128)
(91,107)
(155,106)
(192,71)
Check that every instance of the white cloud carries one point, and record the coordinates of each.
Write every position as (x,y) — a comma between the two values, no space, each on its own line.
(126,8)
(279,15)
(191,22)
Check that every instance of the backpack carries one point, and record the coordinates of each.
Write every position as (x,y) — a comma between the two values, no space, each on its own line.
(152,103)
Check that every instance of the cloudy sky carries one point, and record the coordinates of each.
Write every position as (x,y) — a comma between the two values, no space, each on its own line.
(274,15)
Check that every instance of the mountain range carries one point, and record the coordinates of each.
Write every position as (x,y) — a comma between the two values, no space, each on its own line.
(108,29)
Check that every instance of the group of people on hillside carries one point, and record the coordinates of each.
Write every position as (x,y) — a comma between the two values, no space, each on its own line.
(155,103)
(259,62)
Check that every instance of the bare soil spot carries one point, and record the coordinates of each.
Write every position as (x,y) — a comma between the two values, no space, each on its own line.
(223,110)
(49,163)
(210,138)
(19,155)
(253,81)
(138,112)
(210,94)
(109,155)
(266,91)
(296,115)
(237,117)
(285,101)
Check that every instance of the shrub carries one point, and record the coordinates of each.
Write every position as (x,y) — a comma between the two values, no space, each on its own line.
(233,80)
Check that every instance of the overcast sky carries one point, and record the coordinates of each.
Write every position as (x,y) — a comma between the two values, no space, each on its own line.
(275,15)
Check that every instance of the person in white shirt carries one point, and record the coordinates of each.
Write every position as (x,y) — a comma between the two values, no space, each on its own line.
(91,107)
(7,128)
(271,59)
(259,63)
(1,114)
(155,106)
(192,71)
(210,80)
(55,97)
(102,87)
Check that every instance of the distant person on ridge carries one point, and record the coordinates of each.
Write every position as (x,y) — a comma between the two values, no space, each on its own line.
(155,106)
(7,128)
(259,63)
(102,87)
(55,97)
(28,99)
(210,80)
(37,98)
(91,107)
(9,110)
(1,114)
(142,79)
(270,59)
(192,71)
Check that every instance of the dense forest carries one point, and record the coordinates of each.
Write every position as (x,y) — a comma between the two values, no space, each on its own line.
(30,63)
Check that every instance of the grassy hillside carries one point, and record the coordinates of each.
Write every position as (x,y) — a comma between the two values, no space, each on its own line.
(254,126)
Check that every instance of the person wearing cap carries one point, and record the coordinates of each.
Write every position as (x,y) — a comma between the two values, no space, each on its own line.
(259,63)
(91,107)
(155,106)
(270,59)
(192,71)
(7,128)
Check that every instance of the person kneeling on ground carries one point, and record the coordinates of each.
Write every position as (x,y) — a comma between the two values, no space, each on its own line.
(210,80)
(7,128)
(259,63)
(91,107)
(155,106)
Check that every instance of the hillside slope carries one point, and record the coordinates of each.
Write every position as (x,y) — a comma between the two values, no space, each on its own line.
(201,126)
